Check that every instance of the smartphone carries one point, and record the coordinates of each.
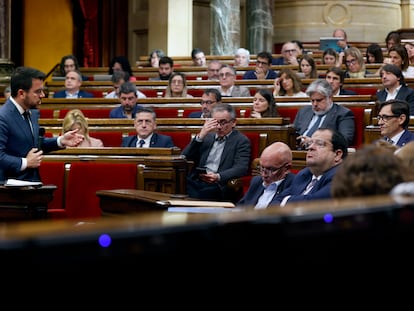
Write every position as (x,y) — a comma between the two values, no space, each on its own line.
(201,170)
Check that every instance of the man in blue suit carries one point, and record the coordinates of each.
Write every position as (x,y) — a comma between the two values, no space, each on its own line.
(145,124)
(21,149)
(275,176)
(327,148)
(393,119)
(209,99)
(73,83)
(394,86)
(128,98)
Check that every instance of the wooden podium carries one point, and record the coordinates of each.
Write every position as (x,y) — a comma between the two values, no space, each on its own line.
(23,203)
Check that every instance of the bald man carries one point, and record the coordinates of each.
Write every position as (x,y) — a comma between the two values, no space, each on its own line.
(275,164)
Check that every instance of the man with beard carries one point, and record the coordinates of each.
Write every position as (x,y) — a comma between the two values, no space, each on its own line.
(128,98)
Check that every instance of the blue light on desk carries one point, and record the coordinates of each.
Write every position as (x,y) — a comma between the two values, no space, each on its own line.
(104,240)
(328,218)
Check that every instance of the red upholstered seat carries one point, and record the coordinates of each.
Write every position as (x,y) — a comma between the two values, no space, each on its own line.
(149,92)
(99,113)
(288,113)
(180,139)
(46,113)
(359,126)
(85,178)
(53,173)
(195,92)
(109,139)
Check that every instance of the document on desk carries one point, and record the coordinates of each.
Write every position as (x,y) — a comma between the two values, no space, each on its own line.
(196,203)
(22,183)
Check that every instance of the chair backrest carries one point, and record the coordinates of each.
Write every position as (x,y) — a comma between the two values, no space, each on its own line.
(53,173)
(85,178)
(180,139)
(109,139)
(100,113)
(359,126)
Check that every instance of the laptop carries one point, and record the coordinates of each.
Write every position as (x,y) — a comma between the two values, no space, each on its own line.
(329,42)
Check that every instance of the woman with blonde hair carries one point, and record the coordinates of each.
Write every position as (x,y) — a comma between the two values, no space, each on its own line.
(355,63)
(177,86)
(75,119)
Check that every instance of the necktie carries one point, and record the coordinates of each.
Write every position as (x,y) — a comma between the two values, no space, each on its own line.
(26,116)
(315,126)
(310,186)
(141,143)
(389,140)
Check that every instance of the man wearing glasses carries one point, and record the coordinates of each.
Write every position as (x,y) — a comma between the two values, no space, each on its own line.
(222,152)
(290,54)
(209,99)
(275,164)
(263,68)
(393,119)
(227,78)
(323,112)
(325,151)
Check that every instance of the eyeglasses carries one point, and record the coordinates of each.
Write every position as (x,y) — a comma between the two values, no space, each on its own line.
(351,62)
(261,63)
(207,102)
(226,74)
(224,122)
(386,118)
(269,170)
(320,143)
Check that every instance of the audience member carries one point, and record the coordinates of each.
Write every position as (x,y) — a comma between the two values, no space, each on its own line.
(69,63)
(288,84)
(154,57)
(326,150)
(20,156)
(242,58)
(165,69)
(145,124)
(341,33)
(275,164)
(121,63)
(209,99)
(398,55)
(371,170)
(198,57)
(409,46)
(117,78)
(7,92)
(393,38)
(300,47)
(227,78)
(394,86)
(355,64)
(223,151)
(405,154)
(290,54)
(307,67)
(213,69)
(374,54)
(331,57)
(336,78)
(128,98)
(73,84)
(75,119)
(264,105)
(323,113)
(393,119)
(177,86)
(263,68)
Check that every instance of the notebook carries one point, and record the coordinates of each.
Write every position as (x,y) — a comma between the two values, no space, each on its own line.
(329,42)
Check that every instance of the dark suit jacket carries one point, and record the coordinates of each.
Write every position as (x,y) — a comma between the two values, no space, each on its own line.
(235,160)
(405,93)
(256,190)
(195,114)
(347,92)
(251,75)
(339,118)
(238,91)
(81,94)
(406,137)
(157,141)
(16,140)
(321,190)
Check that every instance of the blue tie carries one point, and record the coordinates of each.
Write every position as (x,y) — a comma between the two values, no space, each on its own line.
(315,126)
(141,143)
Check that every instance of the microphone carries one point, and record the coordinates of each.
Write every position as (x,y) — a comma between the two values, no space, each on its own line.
(41,138)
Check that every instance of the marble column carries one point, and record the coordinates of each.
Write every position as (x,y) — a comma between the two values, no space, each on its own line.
(225,26)
(6,65)
(259,25)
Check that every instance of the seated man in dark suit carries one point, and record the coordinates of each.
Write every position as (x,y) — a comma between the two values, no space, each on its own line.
(209,99)
(128,98)
(336,78)
(326,151)
(323,113)
(73,83)
(145,124)
(223,151)
(393,119)
(263,68)
(275,176)
(394,86)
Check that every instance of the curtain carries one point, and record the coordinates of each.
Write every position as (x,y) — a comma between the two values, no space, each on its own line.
(91,38)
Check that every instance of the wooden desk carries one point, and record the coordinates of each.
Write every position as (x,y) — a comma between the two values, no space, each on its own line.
(22,203)
(125,201)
